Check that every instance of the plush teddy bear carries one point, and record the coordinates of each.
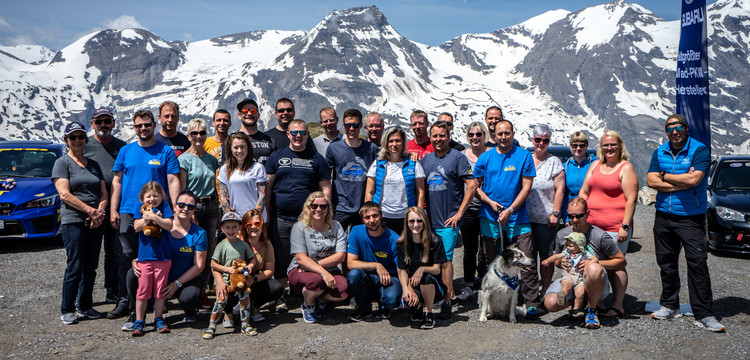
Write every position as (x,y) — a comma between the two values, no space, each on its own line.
(151,229)
(238,278)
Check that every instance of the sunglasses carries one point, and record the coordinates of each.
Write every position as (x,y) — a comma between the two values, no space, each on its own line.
(475,134)
(352,125)
(254,225)
(415,221)
(321,206)
(251,110)
(298,132)
(449,123)
(540,140)
(283,110)
(575,146)
(183,205)
(196,133)
(76,137)
(678,128)
(607,146)
(100,121)
(577,216)
(144,125)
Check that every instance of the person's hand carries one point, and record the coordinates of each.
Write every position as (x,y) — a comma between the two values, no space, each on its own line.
(552,221)
(329,280)
(114,220)
(169,290)
(417,277)
(385,277)
(414,156)
(503,217)
(136,269)
(452,221)
(410,297)
(546,261)
(622,235)
(565,264)
(221,291)
(584,263)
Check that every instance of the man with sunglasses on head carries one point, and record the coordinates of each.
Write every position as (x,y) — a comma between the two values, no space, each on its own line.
(214,145)
(448,119)
(609,258)
(350,159)
(330,122)
(138,163)
(169,118)
(103,148)
(374,126)
(294,172)
(263,145)
(285,113)
(678,172)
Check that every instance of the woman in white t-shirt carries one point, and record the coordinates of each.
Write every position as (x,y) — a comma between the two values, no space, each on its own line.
(242,180)
(395,181)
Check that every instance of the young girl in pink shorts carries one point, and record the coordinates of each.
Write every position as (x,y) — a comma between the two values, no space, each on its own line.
(154,257)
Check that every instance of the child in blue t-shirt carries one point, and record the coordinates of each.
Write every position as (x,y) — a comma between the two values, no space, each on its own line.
(154,256)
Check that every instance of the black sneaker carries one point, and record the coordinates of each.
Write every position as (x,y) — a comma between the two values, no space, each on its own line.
(445,311)
(417,315)
(428,322)
(383,314)
(358,315)
(118,312)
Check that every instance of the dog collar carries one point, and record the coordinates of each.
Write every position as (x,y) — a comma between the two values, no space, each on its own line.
(512,282)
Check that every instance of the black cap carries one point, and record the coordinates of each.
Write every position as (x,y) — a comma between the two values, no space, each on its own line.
(245,102)
(73,127)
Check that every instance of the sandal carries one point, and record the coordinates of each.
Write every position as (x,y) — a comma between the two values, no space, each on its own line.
(618,313)
(249,330)
(208,333)
(577,313)
(562,296)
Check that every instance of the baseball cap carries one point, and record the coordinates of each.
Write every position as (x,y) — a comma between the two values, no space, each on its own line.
(680,119)
(102,111)
(73,127)
(245,102)
(578,238)
(231,216)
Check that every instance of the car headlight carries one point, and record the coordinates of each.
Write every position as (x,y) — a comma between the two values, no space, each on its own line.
(729,214)
(44,202)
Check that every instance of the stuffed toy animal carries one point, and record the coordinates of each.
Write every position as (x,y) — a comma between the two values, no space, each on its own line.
(238,278)
(151,229)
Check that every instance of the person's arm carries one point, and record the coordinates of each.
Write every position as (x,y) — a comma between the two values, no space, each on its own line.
(224,198)
(269,189)
(471,188)
(559,181)
(308,264)
(407,292)
(526,183)
(325,187)
(584,193)
(102,207)
(369,189)
(199,261)
(481,195)
(629,181)
(615,262)
(173,181)
(421,191)
(267,271)
(221,286)
(434,269)
(183,179)
(353,262)
(114,204)
(260,205)
(63,189)
(553,259)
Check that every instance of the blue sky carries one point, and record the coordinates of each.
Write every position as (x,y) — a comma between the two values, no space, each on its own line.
(56,24)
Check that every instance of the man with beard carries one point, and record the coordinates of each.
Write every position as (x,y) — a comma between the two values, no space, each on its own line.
(138,163)
(214,145)
(284,115)
(330,122)
(448,118)
(374,126)
(420,145)
(169,117)
(103,148)
(263,145)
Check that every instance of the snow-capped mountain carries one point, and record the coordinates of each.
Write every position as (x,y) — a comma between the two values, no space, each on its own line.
(32,54)
(608,66)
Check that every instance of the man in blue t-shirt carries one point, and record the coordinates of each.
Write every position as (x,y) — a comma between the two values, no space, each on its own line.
(136,164)
(372,265)
(350,159)
(678,172)
(504,176)
(450,188)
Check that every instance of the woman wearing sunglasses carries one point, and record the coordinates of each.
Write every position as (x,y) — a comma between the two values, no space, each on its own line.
(611,189)
(188,246)
(576,168)
(198,175)
(545,201)
(319,245)
(264,287)
(242,180)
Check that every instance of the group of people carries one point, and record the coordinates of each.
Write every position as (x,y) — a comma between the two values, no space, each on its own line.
(342,216)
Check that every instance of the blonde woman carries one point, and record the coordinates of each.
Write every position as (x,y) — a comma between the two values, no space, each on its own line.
(420,254)
(318,243)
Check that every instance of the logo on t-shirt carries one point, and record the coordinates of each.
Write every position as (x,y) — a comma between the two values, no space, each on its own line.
(186,249)
(510,168)
(354,170)
(381,254)
(285,161)
(436,180)
(154,162)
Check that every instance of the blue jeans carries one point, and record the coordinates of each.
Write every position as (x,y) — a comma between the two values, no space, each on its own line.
(366,287)
(82,246)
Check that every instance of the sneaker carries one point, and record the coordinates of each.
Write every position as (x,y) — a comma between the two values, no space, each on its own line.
(257,317)
(308,313)
(281,305)
(69,318)
(428,322)
(592,321)
(128,326)
(320,308)
(465,294)
(710,323)
(110,298)
(417,315)
(666,313)
(445,310)
(88,314)
(189,319)
(161,325)
(532,313)
(227,323)
(383,314)
(358,315)
(138,328)
(118,312)
(206,303)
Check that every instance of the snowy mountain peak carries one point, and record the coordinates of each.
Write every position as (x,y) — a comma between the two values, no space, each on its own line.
(31,54)
(598,25)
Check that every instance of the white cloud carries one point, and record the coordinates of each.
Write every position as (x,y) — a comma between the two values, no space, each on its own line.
(123,22)
(4,24)
(186,36)
(20,40)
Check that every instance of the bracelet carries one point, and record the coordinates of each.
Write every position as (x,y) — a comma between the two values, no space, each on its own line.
(512,210)
(662,175)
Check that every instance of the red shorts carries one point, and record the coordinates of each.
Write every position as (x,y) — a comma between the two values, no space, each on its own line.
(153,279)
(309,280)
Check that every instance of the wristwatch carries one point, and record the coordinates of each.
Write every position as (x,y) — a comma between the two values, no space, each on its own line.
(556,213)
(661,175)
(178,283)
(255,278)
(626,227)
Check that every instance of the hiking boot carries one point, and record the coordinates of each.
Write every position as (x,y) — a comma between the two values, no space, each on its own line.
(532,313)
(666,313)
(710,323)
(592,321)
(88,314)
(138,328)
(359,315)
(118,312)
(465,294)
(69,318)
(161,325)
(428,322)
(383,314)
(417,315)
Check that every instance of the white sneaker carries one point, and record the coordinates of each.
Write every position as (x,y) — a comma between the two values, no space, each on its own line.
(710,323)
(666,313)
(466,293)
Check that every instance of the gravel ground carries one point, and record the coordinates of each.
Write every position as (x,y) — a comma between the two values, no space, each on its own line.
(42,334)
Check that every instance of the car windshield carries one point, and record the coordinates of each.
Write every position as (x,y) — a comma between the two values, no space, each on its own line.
(733,175)
(27,162)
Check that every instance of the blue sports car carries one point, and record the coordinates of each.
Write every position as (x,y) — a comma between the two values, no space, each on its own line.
(728,215)
(29,203)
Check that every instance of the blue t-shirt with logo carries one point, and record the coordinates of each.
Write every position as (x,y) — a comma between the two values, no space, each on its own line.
(183,250)
(380,249)
(502,175)
(350,167)
(296,175)
(140,165)
(154,248)
(445,184)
